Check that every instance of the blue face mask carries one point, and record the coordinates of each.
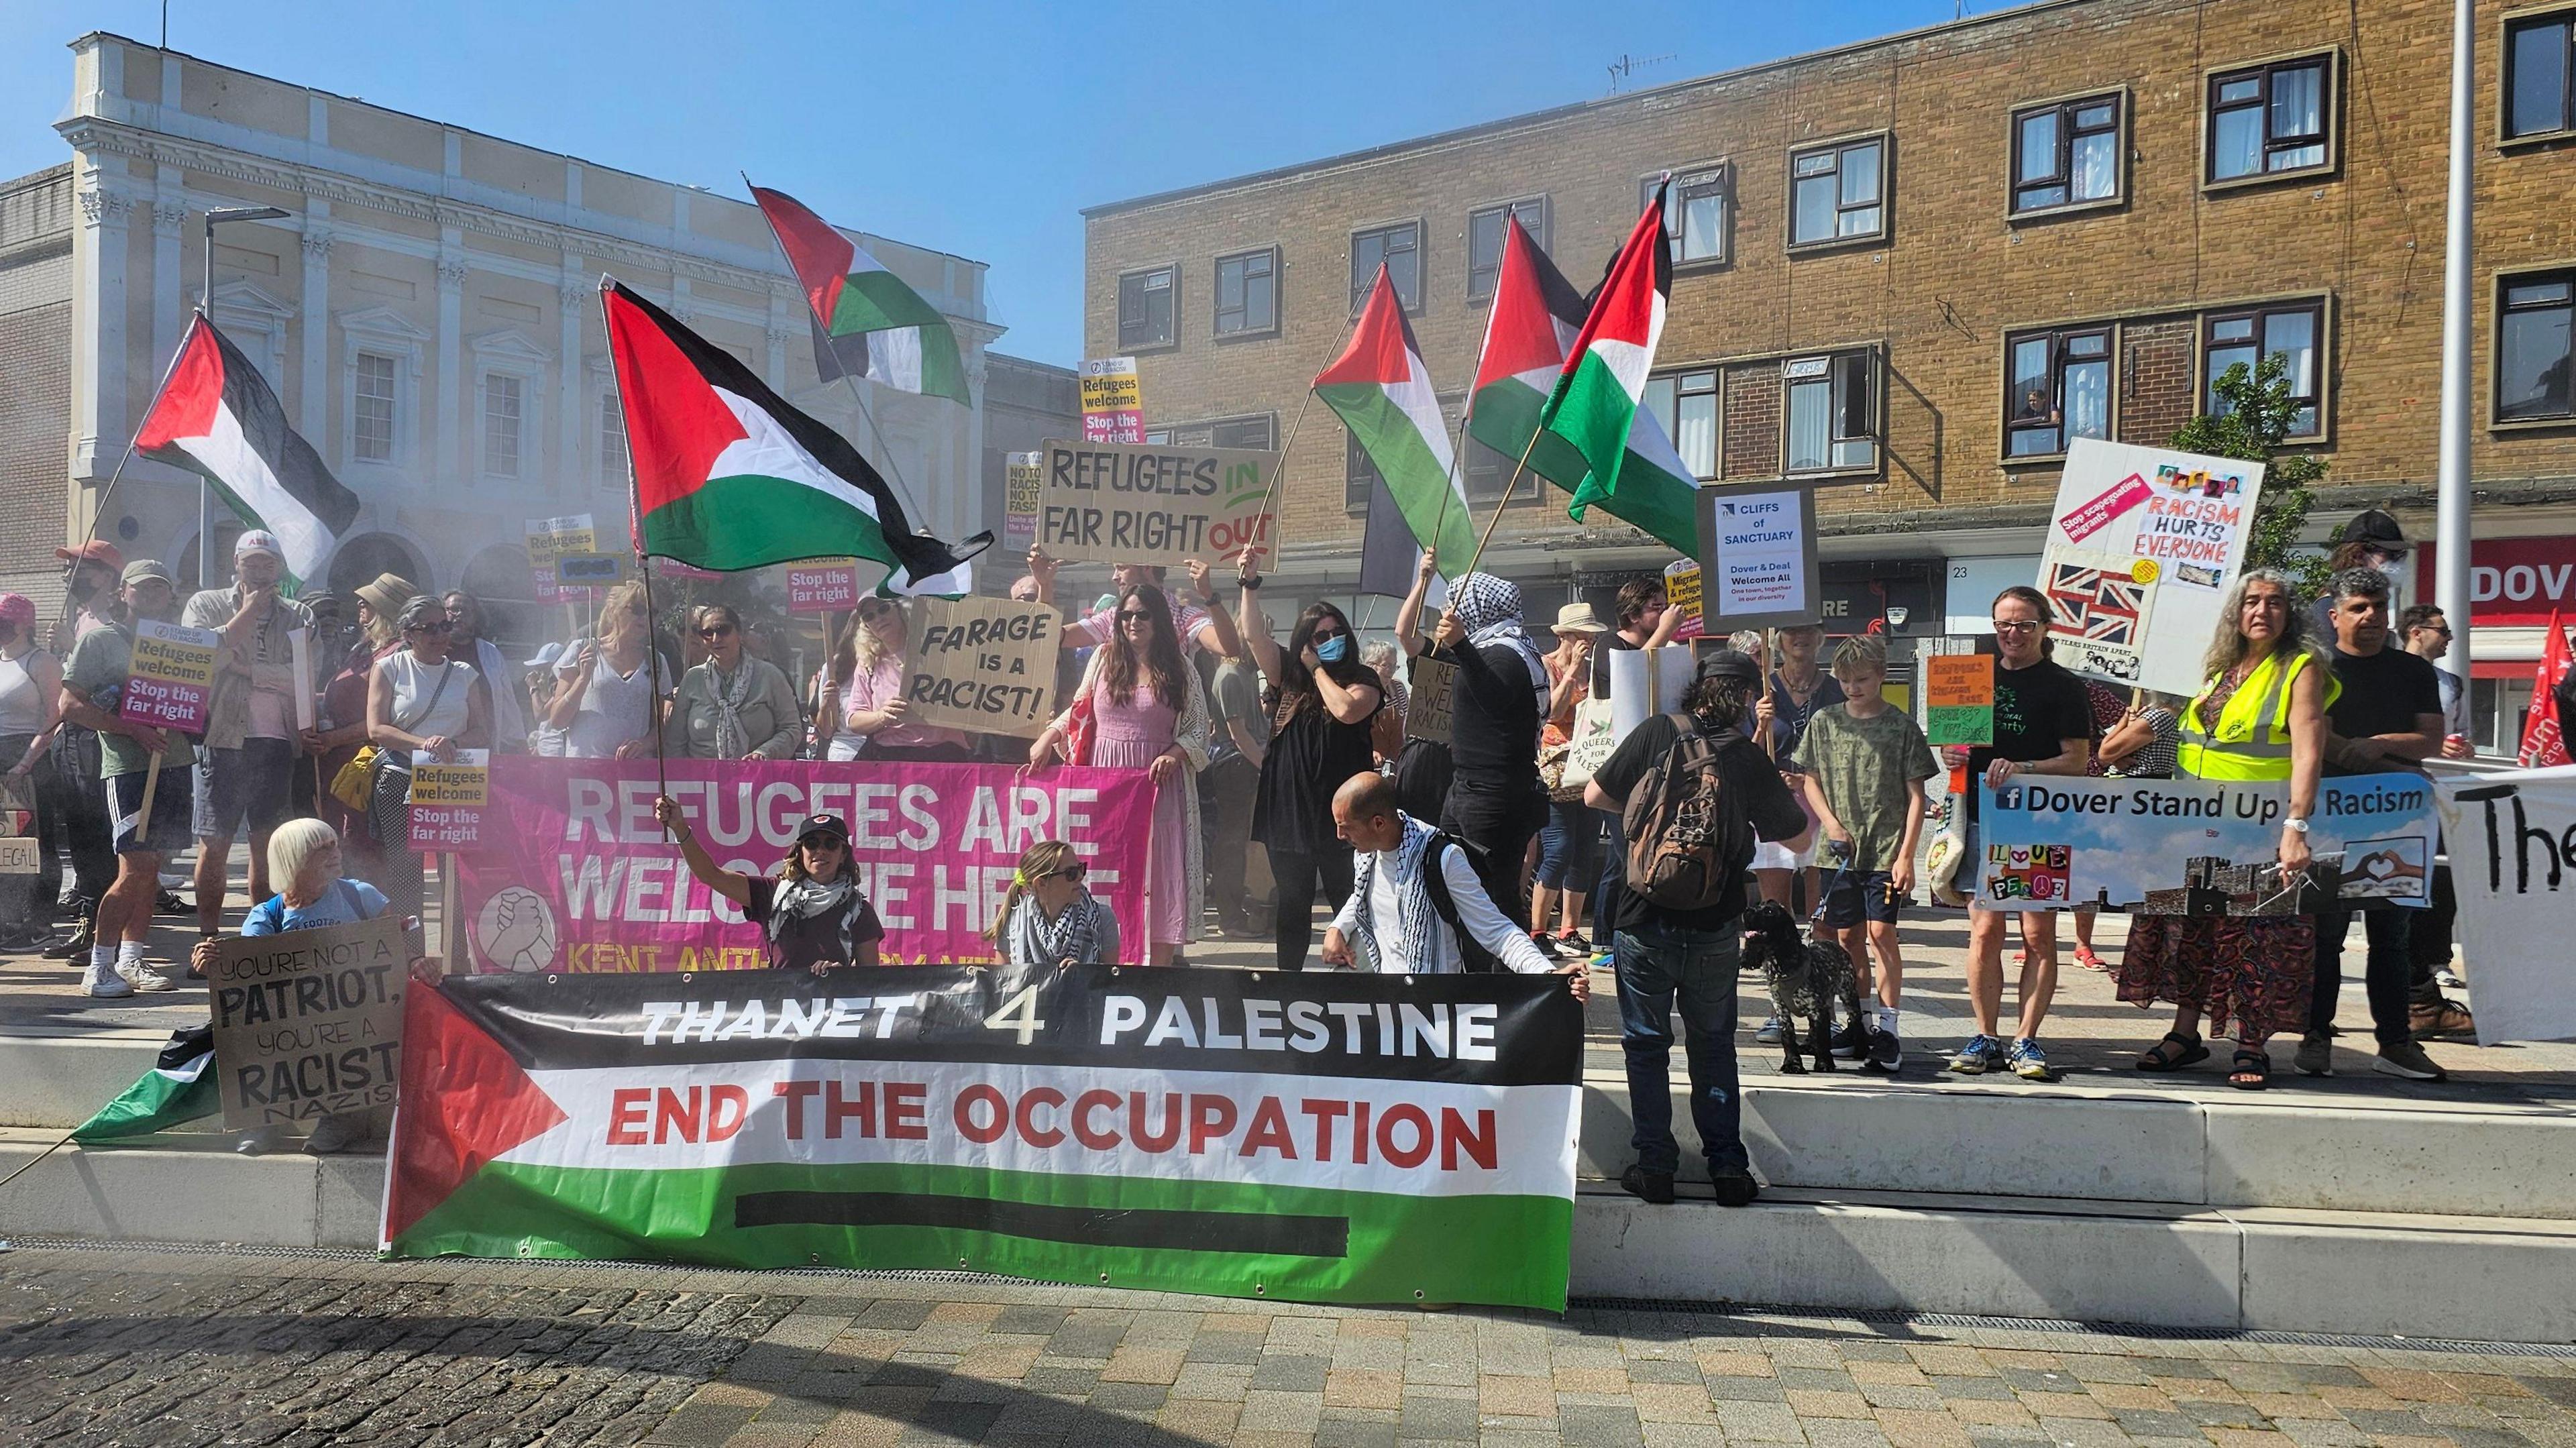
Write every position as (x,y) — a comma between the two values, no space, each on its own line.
(1335,649)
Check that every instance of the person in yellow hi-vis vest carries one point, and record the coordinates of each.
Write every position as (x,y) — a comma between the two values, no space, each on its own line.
(2259,716)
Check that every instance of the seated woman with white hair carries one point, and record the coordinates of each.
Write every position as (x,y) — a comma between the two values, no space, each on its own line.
(305,854)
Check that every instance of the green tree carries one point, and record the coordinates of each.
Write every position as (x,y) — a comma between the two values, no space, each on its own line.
(2257,414)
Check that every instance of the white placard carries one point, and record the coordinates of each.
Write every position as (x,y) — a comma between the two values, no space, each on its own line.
(2511,838)
(299,644)
(1638,676)
(1757,551)
(2142,546)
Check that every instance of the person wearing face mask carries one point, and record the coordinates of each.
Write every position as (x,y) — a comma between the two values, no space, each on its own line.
(249,757)
(31,686)
(1320,699)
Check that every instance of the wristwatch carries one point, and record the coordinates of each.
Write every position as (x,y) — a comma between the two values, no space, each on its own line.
(2294,822)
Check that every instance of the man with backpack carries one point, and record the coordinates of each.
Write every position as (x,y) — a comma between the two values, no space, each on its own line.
(1693,795)
(1417,906)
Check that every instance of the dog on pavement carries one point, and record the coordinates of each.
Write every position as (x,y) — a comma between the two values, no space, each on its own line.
(1806,978)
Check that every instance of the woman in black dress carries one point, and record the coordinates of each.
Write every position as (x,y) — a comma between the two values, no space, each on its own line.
(1321,700)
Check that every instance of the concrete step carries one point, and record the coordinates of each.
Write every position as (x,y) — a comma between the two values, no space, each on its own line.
(61,1079)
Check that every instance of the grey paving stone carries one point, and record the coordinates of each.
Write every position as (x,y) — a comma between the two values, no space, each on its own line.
(1663,1370)
(1130,1397)
(1291,1373)
(1599,1427)
(1745,1390)
(1988,1390)
(1446,1419)
(1817,1380)
(2153,1423)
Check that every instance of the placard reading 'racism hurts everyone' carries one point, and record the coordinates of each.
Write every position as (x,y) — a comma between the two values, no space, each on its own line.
(985,665)
(1104,503)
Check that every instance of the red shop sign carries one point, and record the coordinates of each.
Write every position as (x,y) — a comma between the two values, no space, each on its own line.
(2512,581)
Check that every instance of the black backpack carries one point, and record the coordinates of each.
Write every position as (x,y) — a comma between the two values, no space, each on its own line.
(1471,956)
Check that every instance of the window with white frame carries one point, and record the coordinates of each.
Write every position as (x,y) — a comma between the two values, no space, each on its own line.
(612,443)
(1832,405)
(504,423)
(380,366)
(508,394)
(371,436)
(1686,404)
(1699,216)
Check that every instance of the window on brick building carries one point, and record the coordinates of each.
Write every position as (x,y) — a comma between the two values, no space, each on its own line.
(1699,217)
(1838,193)
(372,427)
(1258,432)
(1247,293)
(2057,388)
(2295,332)
(1399,248)
(2533,353)
(2066,153)
(2540,76)
(1832,404)
(2268,119)
(1485,241)
(1359,473)
(1149,308)
(1686,404)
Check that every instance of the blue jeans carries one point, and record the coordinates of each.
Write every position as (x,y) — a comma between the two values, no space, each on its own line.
(1656,964)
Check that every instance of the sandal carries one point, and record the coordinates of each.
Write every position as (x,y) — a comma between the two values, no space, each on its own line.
(2085,957)
(2251,1071)
(2161,1056)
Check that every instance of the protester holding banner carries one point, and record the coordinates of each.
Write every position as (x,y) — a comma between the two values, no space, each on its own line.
(243,773)
(2386,714)
(1494,795)
(418,701)
(1048,920)
(874,709)
(1569,843)
(31,686)
(2260,716)
(94,683)
(2043,725)
(2137,744)
(472,645)
(1139,708)
(604,701)
(732,705)
(812,915)
(1321,701)
(1416,907)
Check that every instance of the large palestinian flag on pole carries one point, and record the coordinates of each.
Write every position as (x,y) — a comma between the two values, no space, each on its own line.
(728,476)
(1333,1137)
(216,417)
(909,345)
(1531,329)
(1383,394)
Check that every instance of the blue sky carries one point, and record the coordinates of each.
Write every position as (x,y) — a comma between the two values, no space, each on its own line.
(981,129)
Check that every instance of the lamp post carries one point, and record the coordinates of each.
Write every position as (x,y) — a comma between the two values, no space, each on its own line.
(2451,489)
(205,308)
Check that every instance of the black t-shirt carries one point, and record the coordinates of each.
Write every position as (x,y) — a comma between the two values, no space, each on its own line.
(802,944)
(2036,711)
(1751,779)
(1493,718)
(2382,694)
(1309,760)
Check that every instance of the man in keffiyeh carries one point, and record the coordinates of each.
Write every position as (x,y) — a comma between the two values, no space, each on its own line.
(1494,715)
(1391,924)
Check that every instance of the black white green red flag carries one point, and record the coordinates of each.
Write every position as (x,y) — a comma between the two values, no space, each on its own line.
(909,344)
(729,476)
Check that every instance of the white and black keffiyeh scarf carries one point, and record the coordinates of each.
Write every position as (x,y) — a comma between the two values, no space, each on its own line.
(1415,919)
(729,695)
(1073,935)
(1490,610)
(809,898)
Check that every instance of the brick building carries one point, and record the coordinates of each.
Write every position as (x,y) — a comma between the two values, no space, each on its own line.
(1912,268)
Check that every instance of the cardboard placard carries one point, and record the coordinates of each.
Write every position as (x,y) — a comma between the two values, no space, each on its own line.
(171,681)
(588,570)
(308,1024)
(20,852)
(447,800)
(825,585)
(551,538)
(1427,716)
(1757,550)
(1682,591)
(1106,503)
(20,855)
(1959,699)
(985,665)
(1023,480)
(1113,404)
(2143,544)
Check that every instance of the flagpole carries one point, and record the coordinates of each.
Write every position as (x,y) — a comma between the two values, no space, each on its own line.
(643,571)
(108,493)
(1508,484)
(1349,325)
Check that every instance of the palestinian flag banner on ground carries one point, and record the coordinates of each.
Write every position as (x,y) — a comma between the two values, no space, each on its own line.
(728,476)
(177,1090)
(216,417)
(1382,391)
(1531,329)
(1330,1137)
(909,345)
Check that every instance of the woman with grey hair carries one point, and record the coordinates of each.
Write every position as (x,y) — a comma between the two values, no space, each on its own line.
(2260,717)
(732,705)
(419,701)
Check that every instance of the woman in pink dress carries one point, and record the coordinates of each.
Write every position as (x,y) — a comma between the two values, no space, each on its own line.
(1147,714)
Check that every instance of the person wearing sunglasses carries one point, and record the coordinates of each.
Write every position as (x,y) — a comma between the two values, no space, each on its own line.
(1049,920)
(731,705)
(875,719)
(418,701)
(812,914)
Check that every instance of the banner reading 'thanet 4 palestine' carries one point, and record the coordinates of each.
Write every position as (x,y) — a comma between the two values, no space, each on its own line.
(1331,1137)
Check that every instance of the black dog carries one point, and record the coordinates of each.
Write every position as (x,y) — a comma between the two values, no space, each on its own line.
(1806,978)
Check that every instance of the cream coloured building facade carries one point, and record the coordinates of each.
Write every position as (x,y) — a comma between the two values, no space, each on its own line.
(427,313)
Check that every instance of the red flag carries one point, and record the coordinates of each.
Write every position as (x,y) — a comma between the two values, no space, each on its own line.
(2544,734)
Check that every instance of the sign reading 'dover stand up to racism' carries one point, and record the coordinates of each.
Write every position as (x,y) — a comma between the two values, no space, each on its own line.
(308,1023)
(173,676)
(447,799)
(2143,544)
(1331,1136)
(985,665)
(1757,549)
(1110,504)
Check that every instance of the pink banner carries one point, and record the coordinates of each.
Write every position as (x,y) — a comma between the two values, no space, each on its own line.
(573,874)
(2094,516)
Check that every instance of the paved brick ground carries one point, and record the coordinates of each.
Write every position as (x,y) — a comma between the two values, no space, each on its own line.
(102,1345)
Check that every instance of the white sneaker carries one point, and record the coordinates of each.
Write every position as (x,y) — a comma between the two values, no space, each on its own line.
(335,1134)
(144,978)
(103,983)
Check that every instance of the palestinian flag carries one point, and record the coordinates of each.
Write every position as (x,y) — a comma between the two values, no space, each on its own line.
(1383,394)
(1536,316)
(909,345)
(216,417)
(176,1090)
(728,476)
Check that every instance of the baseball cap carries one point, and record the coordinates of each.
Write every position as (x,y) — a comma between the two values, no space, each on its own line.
(823,824)
(545,658)
(259,540)
(1729,664)
(143,568)
(95,550)
(2370,525)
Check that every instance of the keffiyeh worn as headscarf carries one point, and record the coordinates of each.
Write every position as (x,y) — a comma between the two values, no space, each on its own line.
(1490,610)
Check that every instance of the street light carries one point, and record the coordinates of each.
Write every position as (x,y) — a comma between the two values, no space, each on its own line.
(205,308)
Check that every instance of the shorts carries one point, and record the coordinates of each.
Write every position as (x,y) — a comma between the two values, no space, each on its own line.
(1859,895)
(170,812)
(253,783)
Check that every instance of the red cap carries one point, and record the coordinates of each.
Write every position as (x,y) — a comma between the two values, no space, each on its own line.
(96,550)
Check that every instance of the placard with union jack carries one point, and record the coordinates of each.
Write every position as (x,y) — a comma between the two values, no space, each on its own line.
(2099,610)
